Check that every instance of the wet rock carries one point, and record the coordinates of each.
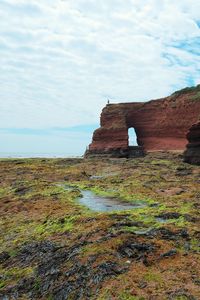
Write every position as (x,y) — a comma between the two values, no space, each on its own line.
(127,224)
(180,294)
(15,292)
(169,215)
(166,234)
(4,256)
(79,281)
(50,264)
(154,204)
(131,249)
(36,251)
(108,236)
(83,280)
(64,291)
(169,253)
(25,284)
(107,269)
(190,218)
(22,190)
(119,216)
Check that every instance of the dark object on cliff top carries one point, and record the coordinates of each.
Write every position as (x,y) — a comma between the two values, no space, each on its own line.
(192,153)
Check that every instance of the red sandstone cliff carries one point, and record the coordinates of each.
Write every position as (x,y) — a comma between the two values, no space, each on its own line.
(159,124)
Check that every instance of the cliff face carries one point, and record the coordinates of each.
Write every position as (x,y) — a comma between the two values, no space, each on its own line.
(192,154)
(159,124)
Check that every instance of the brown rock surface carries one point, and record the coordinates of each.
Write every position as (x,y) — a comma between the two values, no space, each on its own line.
(192,153)
(159,124)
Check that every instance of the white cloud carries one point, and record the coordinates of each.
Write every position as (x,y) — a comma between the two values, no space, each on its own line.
(60,60)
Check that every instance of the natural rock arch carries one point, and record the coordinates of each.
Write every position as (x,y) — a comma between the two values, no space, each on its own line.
(160,124)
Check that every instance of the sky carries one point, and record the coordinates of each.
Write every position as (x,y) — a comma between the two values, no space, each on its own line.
(60,60)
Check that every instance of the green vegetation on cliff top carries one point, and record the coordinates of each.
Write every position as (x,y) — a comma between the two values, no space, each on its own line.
(192,89)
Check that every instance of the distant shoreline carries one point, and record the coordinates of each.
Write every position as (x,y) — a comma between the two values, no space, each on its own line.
(37,155)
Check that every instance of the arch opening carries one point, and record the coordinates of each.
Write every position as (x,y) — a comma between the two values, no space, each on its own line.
(132,137)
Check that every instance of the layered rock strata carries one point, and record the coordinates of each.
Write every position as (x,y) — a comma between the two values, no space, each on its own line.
(192,153)
(159,124)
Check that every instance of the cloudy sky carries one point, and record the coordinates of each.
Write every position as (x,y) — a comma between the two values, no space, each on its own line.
(61,59)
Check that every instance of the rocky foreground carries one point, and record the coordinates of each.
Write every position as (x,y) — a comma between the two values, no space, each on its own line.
(51,247)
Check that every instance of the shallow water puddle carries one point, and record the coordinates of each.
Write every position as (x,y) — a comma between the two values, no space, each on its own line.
(103,204)
(100,203)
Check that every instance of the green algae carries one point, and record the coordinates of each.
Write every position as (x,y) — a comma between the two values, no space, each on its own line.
(47,211)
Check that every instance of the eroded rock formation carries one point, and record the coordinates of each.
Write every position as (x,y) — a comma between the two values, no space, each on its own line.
(159,124)
(192,153)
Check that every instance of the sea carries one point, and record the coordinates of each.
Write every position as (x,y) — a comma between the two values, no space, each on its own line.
(37,155)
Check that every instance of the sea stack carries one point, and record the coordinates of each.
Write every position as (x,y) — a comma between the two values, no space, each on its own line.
(192,153)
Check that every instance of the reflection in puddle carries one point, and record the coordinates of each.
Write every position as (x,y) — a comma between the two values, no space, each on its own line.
(161,220)
(99,203)
(102,203)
